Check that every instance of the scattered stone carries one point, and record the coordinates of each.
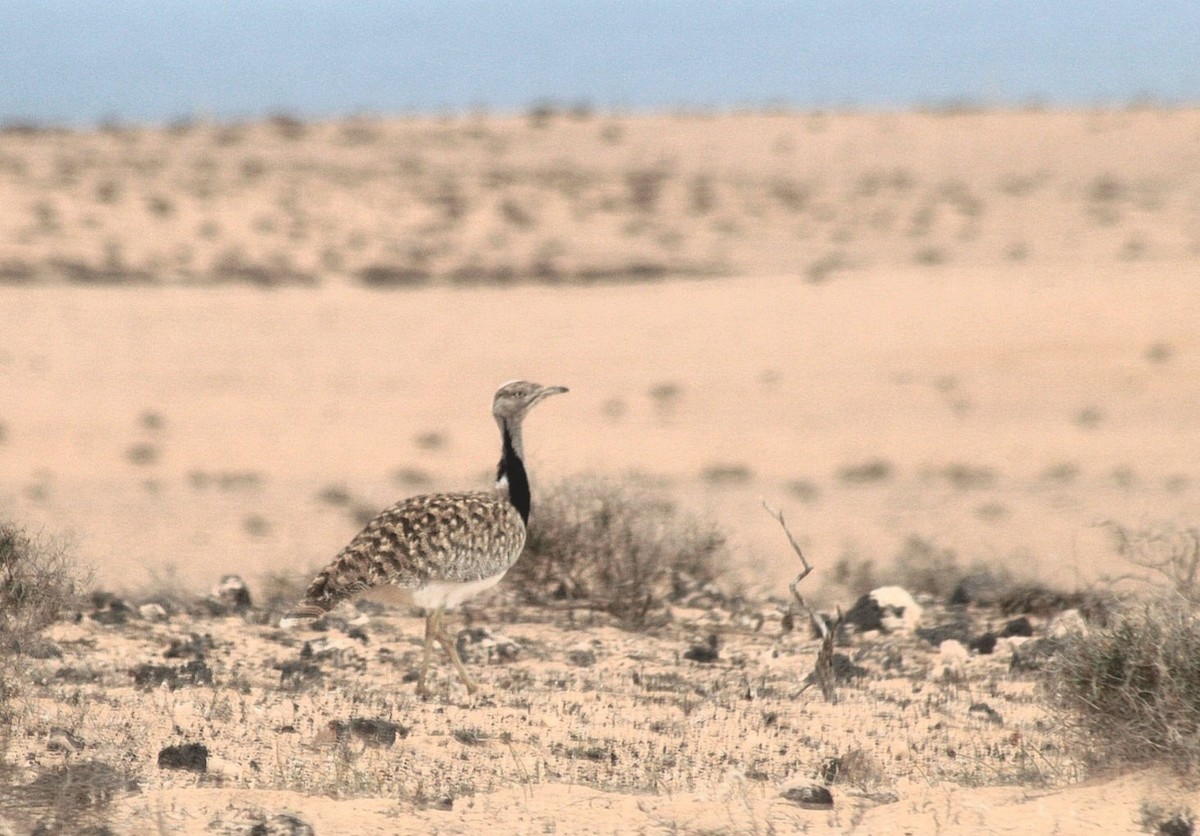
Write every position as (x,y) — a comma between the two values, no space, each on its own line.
(810,797)
(953,651)
(1017,627)
(283,824)
(857,768)
(231,595)
(190,756)
(985,710)
(1066,623)
(109,610)
(153,612)
(706,653)
(888,608)
(358,634)
(496,649)
(984,645)
(372,732)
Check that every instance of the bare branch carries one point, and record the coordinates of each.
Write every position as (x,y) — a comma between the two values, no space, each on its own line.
(778,515)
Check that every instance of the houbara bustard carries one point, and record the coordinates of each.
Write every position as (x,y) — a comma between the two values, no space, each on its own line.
(437,550)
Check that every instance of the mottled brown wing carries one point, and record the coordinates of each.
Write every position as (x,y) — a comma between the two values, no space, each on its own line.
(445,537)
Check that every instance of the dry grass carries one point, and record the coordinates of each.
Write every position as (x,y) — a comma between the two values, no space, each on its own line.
(1133,687)
(614,547)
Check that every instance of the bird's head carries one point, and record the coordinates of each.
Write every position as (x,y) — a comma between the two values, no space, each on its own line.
(517,397)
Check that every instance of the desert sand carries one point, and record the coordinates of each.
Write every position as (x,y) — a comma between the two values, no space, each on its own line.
(970,330)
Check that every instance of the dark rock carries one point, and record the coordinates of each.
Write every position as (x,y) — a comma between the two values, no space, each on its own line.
(985,710)
(706,653)
(373,732)
(190,756)
(233,593)
(358,634)
(866,614)
(151,676)
(283,824)
(810,797)
(844,669)
(984,645)
(1177,825)
(109,610)
(1017,627)
(887,608)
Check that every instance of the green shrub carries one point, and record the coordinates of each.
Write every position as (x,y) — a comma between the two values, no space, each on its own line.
(614,547)
(1133,687)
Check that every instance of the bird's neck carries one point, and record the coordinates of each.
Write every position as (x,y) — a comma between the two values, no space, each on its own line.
(511,477)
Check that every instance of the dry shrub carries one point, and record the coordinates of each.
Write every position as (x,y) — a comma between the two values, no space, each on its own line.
(38,579)
(1171,554)
(1134,686)
(614,547)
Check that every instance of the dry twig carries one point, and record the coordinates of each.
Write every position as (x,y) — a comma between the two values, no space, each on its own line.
(823,672)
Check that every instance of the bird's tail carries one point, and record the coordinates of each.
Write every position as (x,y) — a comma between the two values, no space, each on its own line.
(330,587)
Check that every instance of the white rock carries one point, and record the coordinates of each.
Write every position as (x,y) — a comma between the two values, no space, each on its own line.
(952,652)
(152,612)
(1067,622)
(900,610)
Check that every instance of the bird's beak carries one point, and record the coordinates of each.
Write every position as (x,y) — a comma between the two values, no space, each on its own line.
(545,392)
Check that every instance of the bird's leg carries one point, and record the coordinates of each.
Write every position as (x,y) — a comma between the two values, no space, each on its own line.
(433,624)
(452,651)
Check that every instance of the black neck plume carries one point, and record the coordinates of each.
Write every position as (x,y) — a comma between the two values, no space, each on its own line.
(512,471)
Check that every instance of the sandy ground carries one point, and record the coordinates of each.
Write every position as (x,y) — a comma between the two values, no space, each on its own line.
(1014,411)
(968,331)
(578,727)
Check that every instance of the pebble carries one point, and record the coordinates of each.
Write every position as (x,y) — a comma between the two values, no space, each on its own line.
(810,797)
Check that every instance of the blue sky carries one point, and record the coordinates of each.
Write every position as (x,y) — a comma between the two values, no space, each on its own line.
(81,61)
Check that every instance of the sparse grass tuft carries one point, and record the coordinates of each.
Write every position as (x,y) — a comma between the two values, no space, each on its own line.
(1134,686)
(616,548)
